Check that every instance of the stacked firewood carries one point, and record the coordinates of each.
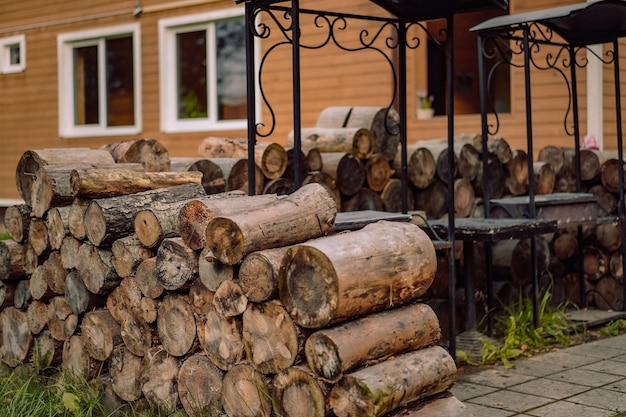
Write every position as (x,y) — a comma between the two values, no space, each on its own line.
(216,301)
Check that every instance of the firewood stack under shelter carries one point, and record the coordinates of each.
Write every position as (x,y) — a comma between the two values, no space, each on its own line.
(179,290)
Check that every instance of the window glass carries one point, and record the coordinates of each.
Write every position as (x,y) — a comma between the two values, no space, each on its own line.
(120,82)
(231,69)
(86,95)
(192,74)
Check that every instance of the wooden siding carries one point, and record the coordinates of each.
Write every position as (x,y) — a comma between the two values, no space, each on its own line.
(330,77)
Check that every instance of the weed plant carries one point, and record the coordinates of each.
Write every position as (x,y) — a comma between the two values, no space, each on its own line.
(518,335)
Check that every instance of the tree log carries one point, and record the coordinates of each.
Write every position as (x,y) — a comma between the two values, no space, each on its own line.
(213,272)
(364,199)
(77,363)
(290,172)
(221,339)
(124,299)
(360,141)
(545,178)
(11,260)
(238,178)
(595,263)
(69,252)
(16,338)
(32,160)
(521,272)
(199,386)
(196,214)
(125,369)
(38,286)
(327,181)
(148,152)
(108,219)
(146,279)
(468,160)
(176,264)
(296,392)
(553,156)
(54,273)
(415,375)
(16,222)
(433,200)
(309,212)
(100,333)
(269,156)
(464,198)
(46,352)
(158,379)
(38,236)
(496,175)
(391,197)
(444,404)
(51,188)
(138,335)
(270,337)
(36,316)
(76,217)
(78,296)
(245,393)
(57,223)
(608,294)
(497,146)
(128,253)
(258,274)
(608,236)
(22,297)
(339,277)
(609,174)
(105,183)
(564,245)
(516,181)
(347,170)
(229,300)
(377,172)
(607,200)
(420,166)
(335,116)
(7,294)
(200,299)
(213,177)
(176,325)
(62,322)
(279,186)
(383,123)
(95,266)
(31,259)
(616,267)
(332,352)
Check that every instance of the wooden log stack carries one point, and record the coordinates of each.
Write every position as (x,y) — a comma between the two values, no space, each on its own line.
(259,319)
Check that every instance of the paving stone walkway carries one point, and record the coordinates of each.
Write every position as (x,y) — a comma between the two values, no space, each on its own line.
(587,380)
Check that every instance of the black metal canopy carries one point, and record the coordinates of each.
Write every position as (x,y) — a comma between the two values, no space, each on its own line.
(419,10)
(578,24)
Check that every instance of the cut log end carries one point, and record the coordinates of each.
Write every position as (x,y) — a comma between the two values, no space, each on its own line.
(148,228)
(225,240)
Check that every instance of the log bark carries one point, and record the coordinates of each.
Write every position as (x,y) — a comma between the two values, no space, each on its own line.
(213,178)
(11,260)
(229,300)
(95,266)
(327,181)
(383,123)
(196,214)
(62,322)
(16,221)
(148,152)
(258,274)
(128,253)
(335,139)
(57,223)
(334,116)
(332,352)
(125,369)
(146,279)
(100,333)
(176,325)
(51,188)
(199,386)
(16,338)
(296,392)
(32,160)
(378,172)
(176,264)
(339,277)
(415,375)
(221,338)
(108,219)
(269,156)
(270,337)
(104,183)
(309,212)
(245,393)
(158,379)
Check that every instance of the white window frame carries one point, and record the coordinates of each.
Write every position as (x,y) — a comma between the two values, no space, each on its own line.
(5,54)
(168,28)
(65,46)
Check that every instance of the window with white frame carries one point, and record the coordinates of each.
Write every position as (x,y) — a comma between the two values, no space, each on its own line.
(203,72)
(12,54)
(99,84)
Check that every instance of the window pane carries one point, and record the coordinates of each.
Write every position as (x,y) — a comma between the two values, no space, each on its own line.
(120,82)
(231,69)
(14,54)
(86,85)
(192,74)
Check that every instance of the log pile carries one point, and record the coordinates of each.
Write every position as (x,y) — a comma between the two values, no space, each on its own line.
(248,304)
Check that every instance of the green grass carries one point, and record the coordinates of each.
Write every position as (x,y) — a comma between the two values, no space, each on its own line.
(4,236)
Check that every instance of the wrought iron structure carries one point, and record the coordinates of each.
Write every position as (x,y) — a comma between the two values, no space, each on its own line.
(566,33)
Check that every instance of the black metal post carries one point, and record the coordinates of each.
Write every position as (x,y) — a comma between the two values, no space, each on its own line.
(402,28)
(620,156)
(250,95)
(297,104)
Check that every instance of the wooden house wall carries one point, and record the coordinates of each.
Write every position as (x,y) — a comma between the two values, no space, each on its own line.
(330,77)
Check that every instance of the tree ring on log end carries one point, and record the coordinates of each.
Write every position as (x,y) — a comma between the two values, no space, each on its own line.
(323,357)
(225,240)
(308,286)
(95,228)
(148,228)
